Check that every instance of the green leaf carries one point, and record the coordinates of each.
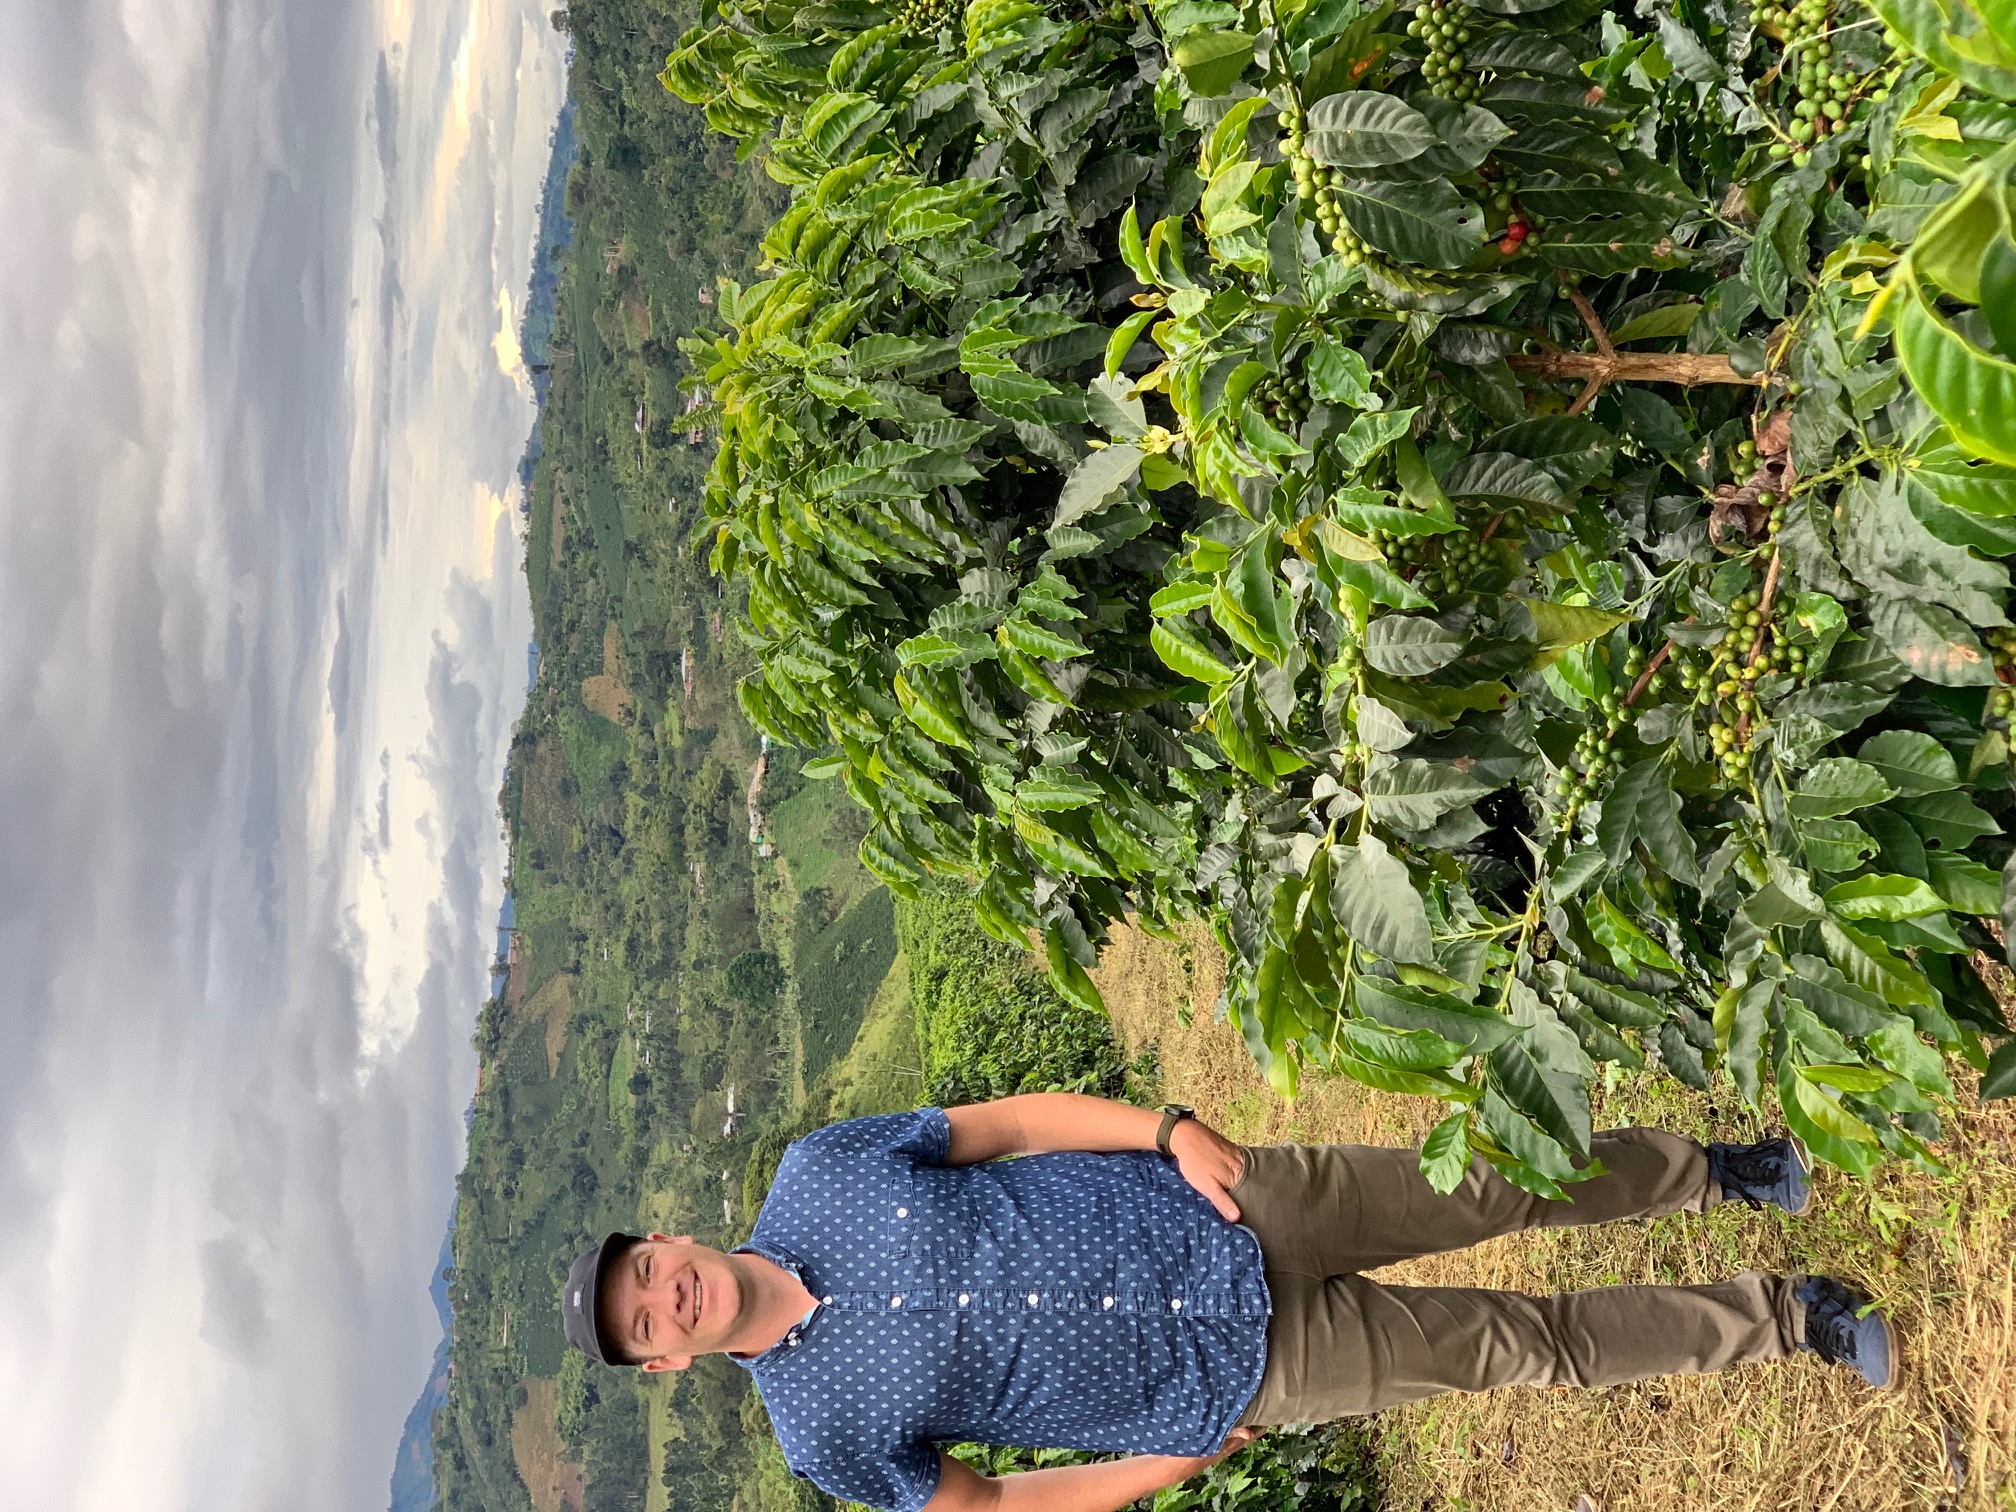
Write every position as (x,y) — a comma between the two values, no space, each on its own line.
(1835,845)
(1561,626)
(1869,964)
(1947,821)
(1071,980)
(1095,482)
(1338,375)
(1478,1030)
(1366,129)
(1846,1078)
(1897,1045)
(1032,639)
(957,648)
(1837,786)
(1445,1154)
(1658,324)
(1933,642)
(1427,224)
(1398,1049)
(1573,449)
(1973,391)
(1412,795)
(820,768)
(1051,789)
(1911,761)
(1881,897)
(1056,850)
(1828,1114)
(1965,885)
(1184,653)
(1558,1102)
(1742,1021)
(1371,434)
(1998,1082)
(1625,941)
(1503,481)
(1212,61)
(1375,902)
(1542,1160)
(1403,646)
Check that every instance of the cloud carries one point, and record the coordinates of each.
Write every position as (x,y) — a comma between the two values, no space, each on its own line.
(258,673)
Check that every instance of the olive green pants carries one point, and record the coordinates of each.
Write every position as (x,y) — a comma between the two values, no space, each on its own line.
(1340,1344)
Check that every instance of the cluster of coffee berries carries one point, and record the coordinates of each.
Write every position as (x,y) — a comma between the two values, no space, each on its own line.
(1317,185)
(1634,668)
(1743,459)
(926,18)
(1596,758)
(1285,398)
(1441,565)
(1775,521)
(1825,89)
(1520,225)
(2002,697)
(1445,27)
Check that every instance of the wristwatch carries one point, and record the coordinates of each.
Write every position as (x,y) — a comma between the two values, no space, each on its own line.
(1172,1115)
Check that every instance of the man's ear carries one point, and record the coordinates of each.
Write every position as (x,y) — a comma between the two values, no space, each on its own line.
(667,1362)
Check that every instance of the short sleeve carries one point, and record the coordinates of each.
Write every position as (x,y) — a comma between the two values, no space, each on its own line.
(923,1135)
(899,1482)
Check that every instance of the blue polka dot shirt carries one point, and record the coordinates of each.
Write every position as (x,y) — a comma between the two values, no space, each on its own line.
(1070,1300)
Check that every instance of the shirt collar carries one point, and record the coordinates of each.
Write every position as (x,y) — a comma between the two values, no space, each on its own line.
(784,1259)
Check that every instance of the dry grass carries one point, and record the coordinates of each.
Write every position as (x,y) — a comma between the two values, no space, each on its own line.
(552,1479)
(605,694)
(1935,1250)
(554,1003)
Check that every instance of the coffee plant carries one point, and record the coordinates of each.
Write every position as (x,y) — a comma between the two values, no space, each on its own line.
(1500,507)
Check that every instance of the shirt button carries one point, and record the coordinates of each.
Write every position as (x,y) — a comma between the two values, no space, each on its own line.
(1034,1299)
(895,1301)
(902,1212)
(1105,1301)
(825,1301)
(1175,1304)
(964,1299)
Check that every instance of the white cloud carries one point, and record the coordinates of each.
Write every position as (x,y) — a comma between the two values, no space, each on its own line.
(261,642)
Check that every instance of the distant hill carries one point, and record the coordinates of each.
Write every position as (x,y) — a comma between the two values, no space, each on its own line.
(693,954)
(413,1471)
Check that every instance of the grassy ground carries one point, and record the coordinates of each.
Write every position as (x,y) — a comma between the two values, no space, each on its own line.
(880,1073)
(1935,1250)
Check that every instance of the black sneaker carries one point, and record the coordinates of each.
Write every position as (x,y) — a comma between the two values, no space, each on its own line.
(1843,1328)
(1777,1171)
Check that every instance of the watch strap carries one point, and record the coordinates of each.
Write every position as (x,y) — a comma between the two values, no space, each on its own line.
(1171,1116)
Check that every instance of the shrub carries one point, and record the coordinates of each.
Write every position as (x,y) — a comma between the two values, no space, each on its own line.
(988,1023)
(1328,1468)
(1499,507)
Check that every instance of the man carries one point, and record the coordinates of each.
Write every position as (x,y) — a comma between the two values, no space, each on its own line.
(1141,1284)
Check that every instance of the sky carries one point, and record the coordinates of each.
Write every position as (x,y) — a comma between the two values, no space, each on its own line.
(262,639)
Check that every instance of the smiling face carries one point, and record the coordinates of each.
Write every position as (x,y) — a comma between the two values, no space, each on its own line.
(666,1300)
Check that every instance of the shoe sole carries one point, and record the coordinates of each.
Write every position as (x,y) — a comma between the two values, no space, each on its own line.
(1806,1170)
(1892,1342)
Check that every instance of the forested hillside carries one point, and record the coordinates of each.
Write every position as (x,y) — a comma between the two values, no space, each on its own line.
(650,1020)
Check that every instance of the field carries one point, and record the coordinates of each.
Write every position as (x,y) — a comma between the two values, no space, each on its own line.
(1937,1250)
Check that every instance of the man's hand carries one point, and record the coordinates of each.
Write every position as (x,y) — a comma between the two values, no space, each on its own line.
(1236,1440)
(1209,1162)
(1038,1121)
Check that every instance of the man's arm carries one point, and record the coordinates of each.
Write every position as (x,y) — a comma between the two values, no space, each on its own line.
(1044,1121)
(1104,1487)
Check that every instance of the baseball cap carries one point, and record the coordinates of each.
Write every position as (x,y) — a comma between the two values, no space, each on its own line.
(580,1313)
